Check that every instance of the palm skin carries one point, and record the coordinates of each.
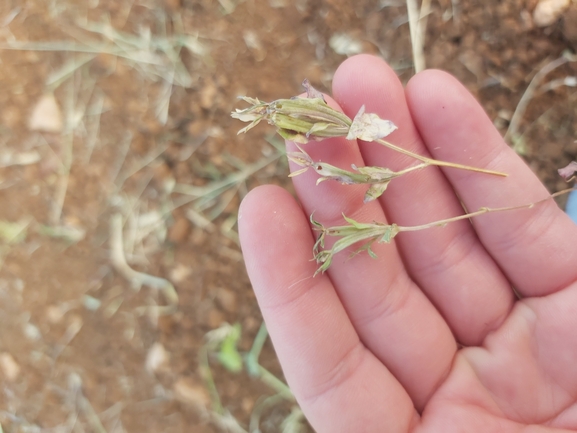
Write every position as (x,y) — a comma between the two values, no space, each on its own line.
(430,337)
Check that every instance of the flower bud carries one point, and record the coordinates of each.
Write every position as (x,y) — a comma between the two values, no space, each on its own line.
(298,119)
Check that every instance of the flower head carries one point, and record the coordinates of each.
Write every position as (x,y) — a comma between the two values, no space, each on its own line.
(297,119)
(377,177)
(348,235)
(568,173)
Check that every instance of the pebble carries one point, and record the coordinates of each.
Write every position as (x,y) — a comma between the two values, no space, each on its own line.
(187,391)
(55,313)
(9,366)
(156,359)
(180,273)
(548,11)
(32,332)
(215,318)
(179,231)
(46,115)
(207,95)
(247,405)
(227,299)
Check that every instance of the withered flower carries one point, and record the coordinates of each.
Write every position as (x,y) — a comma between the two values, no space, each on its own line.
(377,178)
(310,118)
(568,173)
(299,119)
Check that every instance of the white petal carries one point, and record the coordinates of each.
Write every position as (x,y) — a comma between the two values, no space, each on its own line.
(369,127)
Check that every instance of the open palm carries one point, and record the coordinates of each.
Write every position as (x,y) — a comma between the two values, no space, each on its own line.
(431,335)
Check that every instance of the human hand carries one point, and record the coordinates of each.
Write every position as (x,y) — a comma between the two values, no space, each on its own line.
(375,345)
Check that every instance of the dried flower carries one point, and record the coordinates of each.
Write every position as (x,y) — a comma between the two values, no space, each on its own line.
(369,127)
(377,177)
(349,235)
(302,119)
(297,119)
(568,172)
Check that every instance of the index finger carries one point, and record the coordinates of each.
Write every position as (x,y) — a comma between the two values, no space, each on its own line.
(335,379)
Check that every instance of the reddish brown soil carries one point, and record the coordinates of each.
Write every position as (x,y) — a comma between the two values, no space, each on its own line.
(72,358)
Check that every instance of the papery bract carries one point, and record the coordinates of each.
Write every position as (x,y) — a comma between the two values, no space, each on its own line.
(369,127)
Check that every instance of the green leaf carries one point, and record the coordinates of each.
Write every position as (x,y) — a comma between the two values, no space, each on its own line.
(376,173)
(357,224)
(317,127)
(13,232)
(389,233)
(375,191)
(371,252)
(228,355)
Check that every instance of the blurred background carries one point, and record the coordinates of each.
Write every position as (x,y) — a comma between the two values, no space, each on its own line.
(124,303)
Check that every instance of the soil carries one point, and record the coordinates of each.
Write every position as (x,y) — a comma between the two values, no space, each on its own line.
(81,349)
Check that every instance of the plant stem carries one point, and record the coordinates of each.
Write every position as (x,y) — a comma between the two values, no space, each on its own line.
(431,161)
(413,168)
(255,369)
(356,232)
(252,356)
(481,211)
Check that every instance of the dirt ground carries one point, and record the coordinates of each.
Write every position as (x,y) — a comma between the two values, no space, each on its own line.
(121,175)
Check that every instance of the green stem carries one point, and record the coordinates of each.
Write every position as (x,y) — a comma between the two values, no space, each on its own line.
(206,373)
(252,356)
(413,168)
(256,370)
(481,211)
(356,231)
(276,384)
(431,161)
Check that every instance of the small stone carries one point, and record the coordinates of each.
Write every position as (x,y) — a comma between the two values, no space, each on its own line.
(247,405)
(189,392)
(179,273)
(9,366)
(215,318)
(345,44)
(46,115)
(208,95)
(91,303)
(156,359)
(250,324)
(180,230)
(54,313)
(548,11)
(227,299)
(32,332)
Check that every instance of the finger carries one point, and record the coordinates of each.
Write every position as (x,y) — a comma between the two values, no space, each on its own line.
(335,379)
(448,263)
(534,247)
(391,315)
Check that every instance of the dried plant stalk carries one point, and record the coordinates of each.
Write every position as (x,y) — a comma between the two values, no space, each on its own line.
(310,118)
